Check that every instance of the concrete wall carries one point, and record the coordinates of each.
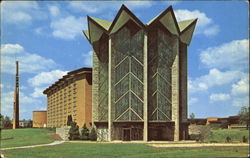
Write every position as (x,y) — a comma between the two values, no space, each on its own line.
(63,132)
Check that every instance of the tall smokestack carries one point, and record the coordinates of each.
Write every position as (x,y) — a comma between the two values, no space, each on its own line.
(16,101)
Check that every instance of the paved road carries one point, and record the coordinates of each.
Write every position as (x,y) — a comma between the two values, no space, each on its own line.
(34,146)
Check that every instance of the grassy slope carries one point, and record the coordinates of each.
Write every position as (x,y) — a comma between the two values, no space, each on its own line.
(96,150)
(221,134)
(25,136)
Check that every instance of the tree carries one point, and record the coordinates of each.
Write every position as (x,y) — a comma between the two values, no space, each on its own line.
(93,134)
(244,115)
(7,122)
(1,121)
(192,116)
(85,132)
(69,120)
(74,131)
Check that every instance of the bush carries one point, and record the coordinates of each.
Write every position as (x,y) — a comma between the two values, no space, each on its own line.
(244,139)
(194,137)
(74,131)
(93,134)
(228,139)
(205,132)
(85,133)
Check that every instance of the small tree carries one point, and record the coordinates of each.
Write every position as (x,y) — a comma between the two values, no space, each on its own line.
(93,134)
(85,132)
(74,131)
(192,116)
(244,115)
(69,120)
(7,122)
(205,132)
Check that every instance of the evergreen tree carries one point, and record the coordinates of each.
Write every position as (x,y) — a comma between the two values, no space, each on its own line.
(7,122)
(93,134)
(74,131)
(85,132)
(244,115)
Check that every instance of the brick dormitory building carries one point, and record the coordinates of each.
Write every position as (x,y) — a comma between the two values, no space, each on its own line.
(70,95)
(138,83)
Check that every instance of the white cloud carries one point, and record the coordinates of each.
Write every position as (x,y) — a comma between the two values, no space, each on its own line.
(45,78)
(138,4)
(205,25)
(1,86)
(219,97)
(215,77)
(22,12)
(241,87)
(38,92)
(26,103)
(68,28)
(11,48)
(54,10)
(241,101)
(233,55)
(28,62)
(192,101)
(97,7)
(87,59)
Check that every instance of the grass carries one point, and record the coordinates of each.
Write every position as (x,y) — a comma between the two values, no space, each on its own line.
(25,136)
(97,150)
(220,135)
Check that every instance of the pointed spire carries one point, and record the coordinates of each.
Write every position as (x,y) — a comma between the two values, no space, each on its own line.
(187,29)
(122,17)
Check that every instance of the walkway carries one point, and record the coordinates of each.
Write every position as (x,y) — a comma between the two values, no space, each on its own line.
(193,145)
(34,146)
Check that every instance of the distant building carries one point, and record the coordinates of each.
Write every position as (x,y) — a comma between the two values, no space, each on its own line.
(140,76)
(39,118)
(25,123)
(70,95)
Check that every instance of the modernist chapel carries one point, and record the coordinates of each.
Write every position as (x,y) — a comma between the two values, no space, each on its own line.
(139,80)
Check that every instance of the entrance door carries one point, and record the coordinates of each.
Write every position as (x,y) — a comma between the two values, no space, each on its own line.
(126,134)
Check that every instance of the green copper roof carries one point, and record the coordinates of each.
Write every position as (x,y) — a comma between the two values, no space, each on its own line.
(104,23)
(86,33)
(183,24)
(183,29)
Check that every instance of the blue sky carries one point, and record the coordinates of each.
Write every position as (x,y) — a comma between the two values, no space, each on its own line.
(46,38)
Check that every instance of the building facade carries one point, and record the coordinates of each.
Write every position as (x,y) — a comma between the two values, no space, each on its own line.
(140,76)
(70,95)
(39,119)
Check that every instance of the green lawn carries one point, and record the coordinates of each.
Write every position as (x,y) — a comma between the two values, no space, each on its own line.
(25,136)
(101,150)
(220,135)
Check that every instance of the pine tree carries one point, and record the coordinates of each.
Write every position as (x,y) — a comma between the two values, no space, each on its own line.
(74,131)
(85,132)
(93,134)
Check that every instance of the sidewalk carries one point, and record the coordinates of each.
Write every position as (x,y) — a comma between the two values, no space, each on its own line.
(193,145)
(34,146)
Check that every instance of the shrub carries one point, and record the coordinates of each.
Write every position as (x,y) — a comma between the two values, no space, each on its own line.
(85,133)
(93,134)
(244,139)
(205,132)
(74,131)
(228,139)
